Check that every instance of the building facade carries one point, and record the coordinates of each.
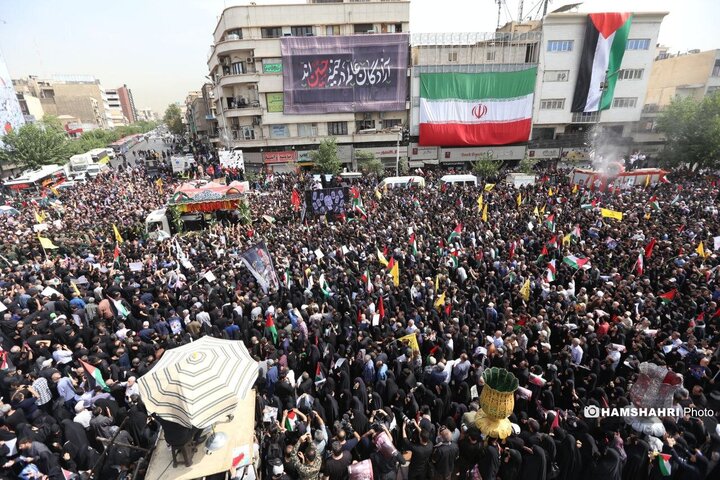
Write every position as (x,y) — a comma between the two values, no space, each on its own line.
(255,110)
(116,116)
(127,103)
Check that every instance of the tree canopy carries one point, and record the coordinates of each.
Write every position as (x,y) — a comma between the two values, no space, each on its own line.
(173,119)
(692,131)
(368,163)
(36,144)
(326,157)
(486,167)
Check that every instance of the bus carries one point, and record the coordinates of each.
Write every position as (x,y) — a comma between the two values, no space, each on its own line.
(33,182)
(101,155)
(123,145)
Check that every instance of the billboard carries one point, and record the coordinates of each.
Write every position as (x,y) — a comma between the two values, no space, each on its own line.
(11,117)
(360,73)
(274,102)
(326,200)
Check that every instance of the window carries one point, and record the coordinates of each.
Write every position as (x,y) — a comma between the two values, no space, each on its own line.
(552,104)
(452,57)
(279,131)
(585,117)
(248,133)
(716,69)
(364,125)
(490,56)
(392,122)
(237,68)
(307,129)
(271,32)
(305,31)
(236,31)
(337,128)
(638,44)
(332,30)
(556,75)
(630,74)
(624,102)
(364,27)
(560,45)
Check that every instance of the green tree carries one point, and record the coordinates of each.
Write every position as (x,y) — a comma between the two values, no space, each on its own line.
(403,166)
(526,165)
(368,163)
(486,167)
(173,119)
(36,144)
(326,157)
(692,131)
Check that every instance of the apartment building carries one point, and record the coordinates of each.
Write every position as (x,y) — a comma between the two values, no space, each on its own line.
(127,103)
(284,80)
(554,125)
(116,116)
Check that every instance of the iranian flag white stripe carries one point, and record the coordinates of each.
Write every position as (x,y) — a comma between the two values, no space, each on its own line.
(461,111)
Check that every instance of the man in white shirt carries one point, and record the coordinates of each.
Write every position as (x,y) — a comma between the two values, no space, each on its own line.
(576,352)
(82,415)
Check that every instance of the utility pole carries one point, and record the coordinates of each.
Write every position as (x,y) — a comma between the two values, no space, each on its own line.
(499,4)
(520,11)
(545,4)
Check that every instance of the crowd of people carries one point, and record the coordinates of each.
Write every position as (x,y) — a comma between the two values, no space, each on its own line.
(336,386)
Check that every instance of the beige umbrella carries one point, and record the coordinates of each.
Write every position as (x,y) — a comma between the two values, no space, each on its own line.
(199,383)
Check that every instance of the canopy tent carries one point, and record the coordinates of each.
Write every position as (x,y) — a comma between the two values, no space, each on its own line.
(199,383)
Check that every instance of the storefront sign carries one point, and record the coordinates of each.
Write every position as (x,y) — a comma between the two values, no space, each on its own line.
(384,152)
(479,153)
(423,153)
(272,67)
(344,152)
(540,153)
(274,102)
(279,157)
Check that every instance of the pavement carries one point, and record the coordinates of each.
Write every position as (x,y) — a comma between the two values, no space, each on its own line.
(156,145)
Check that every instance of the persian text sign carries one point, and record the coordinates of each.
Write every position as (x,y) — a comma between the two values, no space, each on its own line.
(279,157)
(359,73)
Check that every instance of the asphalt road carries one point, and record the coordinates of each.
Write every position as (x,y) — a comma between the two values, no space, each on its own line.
(156,145)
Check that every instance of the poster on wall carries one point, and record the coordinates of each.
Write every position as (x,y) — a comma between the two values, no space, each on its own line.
(274,102)
(11,117)
(359,73)
(325,200)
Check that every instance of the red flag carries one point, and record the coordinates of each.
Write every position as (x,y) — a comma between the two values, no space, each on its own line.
(544,251)
(649,247)
(381,308)
(385,251)
(448,309)
(681,228)
(391,263)
(116,253)
(355,192)
(716,314)
(295,200)
(512,250)
(359,316)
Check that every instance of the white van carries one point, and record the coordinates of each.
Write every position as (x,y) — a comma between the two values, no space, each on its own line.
(403,182)
(461,179)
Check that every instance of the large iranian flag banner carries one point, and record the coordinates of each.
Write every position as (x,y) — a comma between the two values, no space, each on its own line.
(463,109)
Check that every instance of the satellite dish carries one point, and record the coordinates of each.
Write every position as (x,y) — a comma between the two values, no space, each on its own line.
(567,8)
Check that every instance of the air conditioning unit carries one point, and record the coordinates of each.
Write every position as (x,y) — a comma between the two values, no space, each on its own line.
(233,36)
(226,61)
(256,120)
(250,60)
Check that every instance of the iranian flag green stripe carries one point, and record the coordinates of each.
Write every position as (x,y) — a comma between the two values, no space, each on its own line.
(476,108)
(603,50)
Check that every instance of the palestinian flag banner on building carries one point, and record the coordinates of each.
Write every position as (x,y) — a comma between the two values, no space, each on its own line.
(606,36)
(461,109)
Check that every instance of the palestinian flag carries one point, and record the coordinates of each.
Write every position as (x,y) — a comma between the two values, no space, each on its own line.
(455,257)
(359,208)
(640,265)
(577,262)
(664,464)
(654,202)
(492,108)
(543,253)
(606,36)
(116,253)
(319,376)
(668,296)
(550,222)
(324,287)
(270,327)
(290,421)
(551,271)
(455,233)
(93,376)
(576,232)
(413,244)
(552,243)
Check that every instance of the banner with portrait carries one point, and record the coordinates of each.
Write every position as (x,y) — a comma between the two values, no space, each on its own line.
(257,259)
(326,201)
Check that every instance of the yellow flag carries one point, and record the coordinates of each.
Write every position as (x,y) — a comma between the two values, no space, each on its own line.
(381,258)
(410,341)
(575,188)
(519,199)
(480,203)
(46,243)
(647,216)
(395,273)
(378,195)
(38,218)
(701,250)
(118,238)
(440,300)
(55,191)
(75,289)
(525,290)
(566,240)
(647,180)
(484,214)
(437,283)
(159,184)
(536,212)
(489,186)
(542,210)
(606,212)
(550,192)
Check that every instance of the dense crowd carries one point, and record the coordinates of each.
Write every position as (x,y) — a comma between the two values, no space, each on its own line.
(336,386)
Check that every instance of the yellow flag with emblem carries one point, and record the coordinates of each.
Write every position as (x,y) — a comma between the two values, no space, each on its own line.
(647,180)
(38,218)
(536,212)
(489,186)
(519,199)
(46,243)
(440,300)
(550,192)
(410,341)
(75,289)
(480,203)
(395,274)
(542,210)
(701,250)
(381,258)
(647,216)
(118,238)
(484,214)
(606,212)
(525,290)
(575,188)
(566,240)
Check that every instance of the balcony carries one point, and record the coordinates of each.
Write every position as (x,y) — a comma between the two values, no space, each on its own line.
(246,111)
(230,79)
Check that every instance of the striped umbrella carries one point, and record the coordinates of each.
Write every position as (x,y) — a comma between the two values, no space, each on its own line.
(199,383)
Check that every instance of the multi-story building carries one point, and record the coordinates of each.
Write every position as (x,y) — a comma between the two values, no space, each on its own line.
(146,114)
(278,104)
(127,103)
(116,116)
(554,125)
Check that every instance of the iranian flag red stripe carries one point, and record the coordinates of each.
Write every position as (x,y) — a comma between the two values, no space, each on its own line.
(491,108)
(603,49)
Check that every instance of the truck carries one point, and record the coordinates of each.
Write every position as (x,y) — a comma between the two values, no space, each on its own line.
(77,166)
(181,163)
